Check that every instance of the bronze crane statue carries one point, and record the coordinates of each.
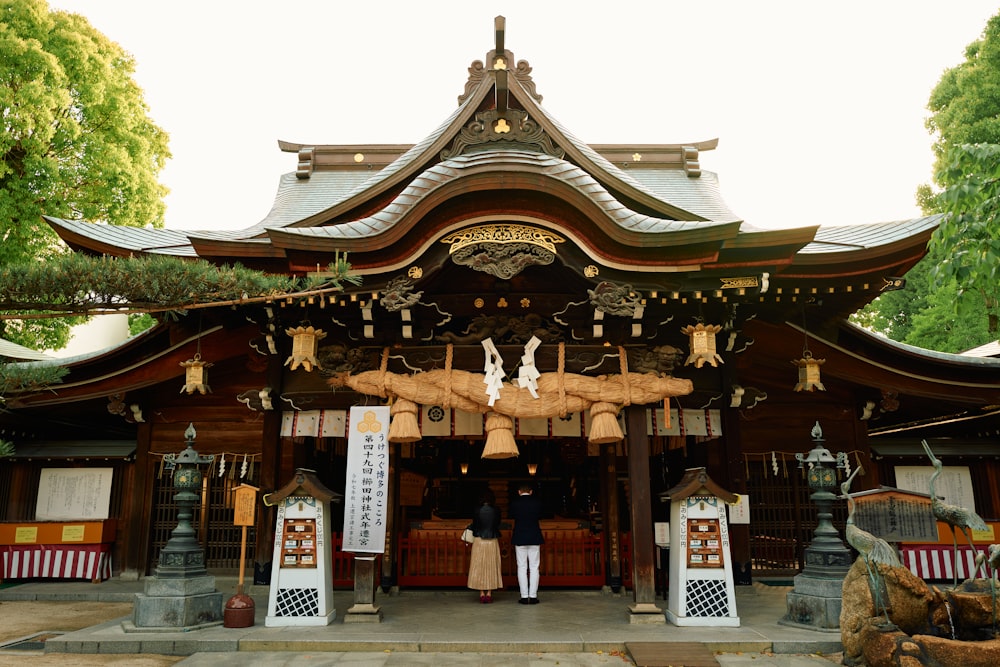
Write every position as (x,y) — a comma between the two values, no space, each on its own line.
(992,557)
(953,515)
(873,550)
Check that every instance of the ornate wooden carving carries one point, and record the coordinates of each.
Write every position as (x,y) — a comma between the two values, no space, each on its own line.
(615,299)
(399,294)
(512,126)
(503,260)
(505,329)
(502,250)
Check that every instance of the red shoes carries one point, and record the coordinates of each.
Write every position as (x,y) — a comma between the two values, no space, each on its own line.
(485,599)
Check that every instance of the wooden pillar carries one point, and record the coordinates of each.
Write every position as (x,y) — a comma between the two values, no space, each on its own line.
(270,460)
(389,553)
(643,563)
(735,481)
(612,524)
(135,551)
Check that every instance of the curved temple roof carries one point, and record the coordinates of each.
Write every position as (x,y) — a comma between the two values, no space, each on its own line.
(615,201)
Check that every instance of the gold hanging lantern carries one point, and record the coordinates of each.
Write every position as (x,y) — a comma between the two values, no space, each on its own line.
(464,467)
(195,377)
(809,376)
(702,341)
(304,343)
(532,469)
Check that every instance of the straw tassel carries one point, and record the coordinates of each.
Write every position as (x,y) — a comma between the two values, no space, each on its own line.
(499,437)
(604,427)
(403,427)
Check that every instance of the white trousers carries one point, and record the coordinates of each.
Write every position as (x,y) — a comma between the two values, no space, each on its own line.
(528,557)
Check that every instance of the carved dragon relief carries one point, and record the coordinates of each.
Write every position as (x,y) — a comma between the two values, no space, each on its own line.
(504,329)
(502,260)
(615,299)
(502,250)
(511,125)
(398,297)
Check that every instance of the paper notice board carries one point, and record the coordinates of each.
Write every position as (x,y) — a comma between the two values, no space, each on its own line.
(72,494)
(954,486)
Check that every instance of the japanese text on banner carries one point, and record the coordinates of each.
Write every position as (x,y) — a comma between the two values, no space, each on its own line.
(367,488)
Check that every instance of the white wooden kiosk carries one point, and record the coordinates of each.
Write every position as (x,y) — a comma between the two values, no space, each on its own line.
(701,590)
(302,570)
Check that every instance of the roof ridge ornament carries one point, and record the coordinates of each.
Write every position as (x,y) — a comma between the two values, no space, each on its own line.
(499,59)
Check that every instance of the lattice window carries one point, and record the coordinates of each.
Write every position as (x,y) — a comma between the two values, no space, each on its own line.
(297,602)
(213,519)
(707,598)
(782,520)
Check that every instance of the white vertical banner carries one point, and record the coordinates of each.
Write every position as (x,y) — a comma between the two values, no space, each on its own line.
(367,489)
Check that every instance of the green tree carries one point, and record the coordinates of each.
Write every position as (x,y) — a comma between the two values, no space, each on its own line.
(969,235)
(950,303)
(76,141)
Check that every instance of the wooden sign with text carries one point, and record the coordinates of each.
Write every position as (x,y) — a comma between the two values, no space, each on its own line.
(896,515)
(245,505)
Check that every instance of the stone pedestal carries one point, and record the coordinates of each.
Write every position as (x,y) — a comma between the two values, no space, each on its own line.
(814,604)
(364,610)
(645,614)
(176,605)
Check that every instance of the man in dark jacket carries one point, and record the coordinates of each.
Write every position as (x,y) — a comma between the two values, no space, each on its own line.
(527,539)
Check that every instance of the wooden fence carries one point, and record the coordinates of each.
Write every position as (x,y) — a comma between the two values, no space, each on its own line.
(576,561)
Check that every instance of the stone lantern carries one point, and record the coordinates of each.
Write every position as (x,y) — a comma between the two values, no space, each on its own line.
(815,600)
(181,594)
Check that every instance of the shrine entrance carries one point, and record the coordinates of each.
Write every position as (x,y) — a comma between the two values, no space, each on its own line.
(440,480)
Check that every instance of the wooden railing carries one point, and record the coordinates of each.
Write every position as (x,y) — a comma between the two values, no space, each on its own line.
(443,561)
(343,564)
(576,561)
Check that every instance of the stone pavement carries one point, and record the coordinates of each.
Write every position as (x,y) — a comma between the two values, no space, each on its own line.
(447,627)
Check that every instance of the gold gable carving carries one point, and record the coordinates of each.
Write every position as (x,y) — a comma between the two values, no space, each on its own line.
(502,250)
(502,233)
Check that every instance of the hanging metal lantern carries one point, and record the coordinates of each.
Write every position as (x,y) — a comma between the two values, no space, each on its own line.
(305,340)
(702,342)
(532,469)
(809,375)
(195,377)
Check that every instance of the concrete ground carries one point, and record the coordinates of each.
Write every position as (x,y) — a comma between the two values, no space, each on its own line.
(439,627)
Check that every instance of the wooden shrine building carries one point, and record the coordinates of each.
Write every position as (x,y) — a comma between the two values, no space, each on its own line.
(501,227)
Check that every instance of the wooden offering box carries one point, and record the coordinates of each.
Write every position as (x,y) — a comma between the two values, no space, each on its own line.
(56,549)
(57,532)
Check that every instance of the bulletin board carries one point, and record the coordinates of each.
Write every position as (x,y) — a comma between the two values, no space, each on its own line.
(73,494)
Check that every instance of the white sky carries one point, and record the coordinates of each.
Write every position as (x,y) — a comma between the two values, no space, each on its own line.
(819,106)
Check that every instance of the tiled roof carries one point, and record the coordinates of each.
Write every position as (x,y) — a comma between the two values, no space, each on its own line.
(699,195)
(987,350)
(857,237)
(550,166)
(13,352)
(130,239)
(945,357)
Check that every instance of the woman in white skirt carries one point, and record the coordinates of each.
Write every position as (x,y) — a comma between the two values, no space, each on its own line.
(484,563)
